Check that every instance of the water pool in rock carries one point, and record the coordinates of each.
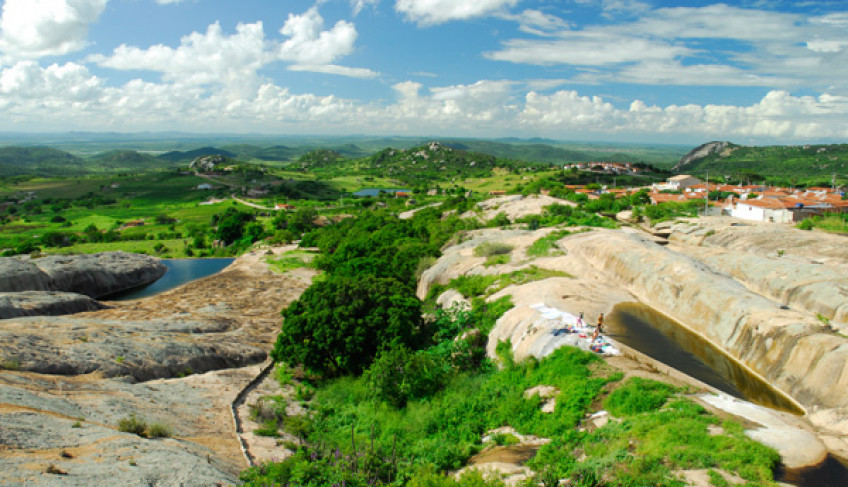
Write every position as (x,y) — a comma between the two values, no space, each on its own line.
(659,336)
(180,271)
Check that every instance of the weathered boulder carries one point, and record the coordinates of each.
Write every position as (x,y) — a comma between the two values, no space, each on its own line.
(44,303)
(95,275)
(626,216)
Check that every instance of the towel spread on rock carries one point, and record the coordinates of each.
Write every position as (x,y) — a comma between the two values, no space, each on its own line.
(564,322)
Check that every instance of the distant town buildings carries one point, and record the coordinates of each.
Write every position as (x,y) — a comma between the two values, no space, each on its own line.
(605,167)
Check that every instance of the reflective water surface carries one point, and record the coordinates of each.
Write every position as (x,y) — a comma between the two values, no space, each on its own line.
(180,271)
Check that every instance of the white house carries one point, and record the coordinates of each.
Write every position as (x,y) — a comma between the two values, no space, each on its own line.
(762,210)
(678,183)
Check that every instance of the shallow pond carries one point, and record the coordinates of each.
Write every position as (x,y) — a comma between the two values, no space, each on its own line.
(180,271)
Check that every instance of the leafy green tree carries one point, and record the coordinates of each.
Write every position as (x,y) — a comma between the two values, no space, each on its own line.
(303,220)
(339,325)
(231,225)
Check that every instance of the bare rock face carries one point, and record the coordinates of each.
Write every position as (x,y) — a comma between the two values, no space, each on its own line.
(141,350)
(791,348)
(180,359)
(700,152)
(41,303)
(94,275)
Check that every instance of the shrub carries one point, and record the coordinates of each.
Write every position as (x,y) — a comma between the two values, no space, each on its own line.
(268,408)
(159,430)
(132,424)
(138,426)
(806,224)
(398,375)
(489,249)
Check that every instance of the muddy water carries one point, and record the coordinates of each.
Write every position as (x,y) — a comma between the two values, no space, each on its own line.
(658,336)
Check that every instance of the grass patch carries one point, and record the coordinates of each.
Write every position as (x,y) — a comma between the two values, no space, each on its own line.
(472,286)
(10,364)
(547,245)
(159,430)
(489,249)
(290,261)
(283,374)
(637,396)
(139,426)
(497,260)
(268,428)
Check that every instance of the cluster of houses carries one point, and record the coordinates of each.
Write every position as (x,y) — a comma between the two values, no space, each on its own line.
(605,167)
(754,202)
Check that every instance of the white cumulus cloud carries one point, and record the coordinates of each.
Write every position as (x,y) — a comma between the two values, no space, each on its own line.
(201,58)
(35,28)
(308,44)
(431,12)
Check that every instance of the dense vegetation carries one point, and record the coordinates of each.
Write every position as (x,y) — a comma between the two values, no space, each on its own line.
(403,405)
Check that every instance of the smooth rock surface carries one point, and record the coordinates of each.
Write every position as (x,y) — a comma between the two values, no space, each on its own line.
(44,303)
(69,423)
(94,275)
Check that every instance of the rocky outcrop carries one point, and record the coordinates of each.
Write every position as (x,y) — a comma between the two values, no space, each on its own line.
(514,206)
(700,152)
(78,376)
(44,303)
(142,350)
(790,348)
(94,275)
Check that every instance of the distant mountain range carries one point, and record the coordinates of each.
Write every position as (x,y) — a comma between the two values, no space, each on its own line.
(808,163)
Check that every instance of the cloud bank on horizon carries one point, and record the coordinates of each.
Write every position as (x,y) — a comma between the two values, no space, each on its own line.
(654,71)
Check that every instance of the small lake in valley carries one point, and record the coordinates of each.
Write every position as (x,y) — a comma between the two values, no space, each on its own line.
(180,271)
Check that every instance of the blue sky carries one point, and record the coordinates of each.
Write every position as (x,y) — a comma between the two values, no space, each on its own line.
(758,71)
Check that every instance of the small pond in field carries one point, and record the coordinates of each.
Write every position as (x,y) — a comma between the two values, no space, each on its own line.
(180,271)
(376,191)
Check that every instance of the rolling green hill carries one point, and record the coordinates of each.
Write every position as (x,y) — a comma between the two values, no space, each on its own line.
(807,164)
(39,161)
(430,162)
(128,160)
